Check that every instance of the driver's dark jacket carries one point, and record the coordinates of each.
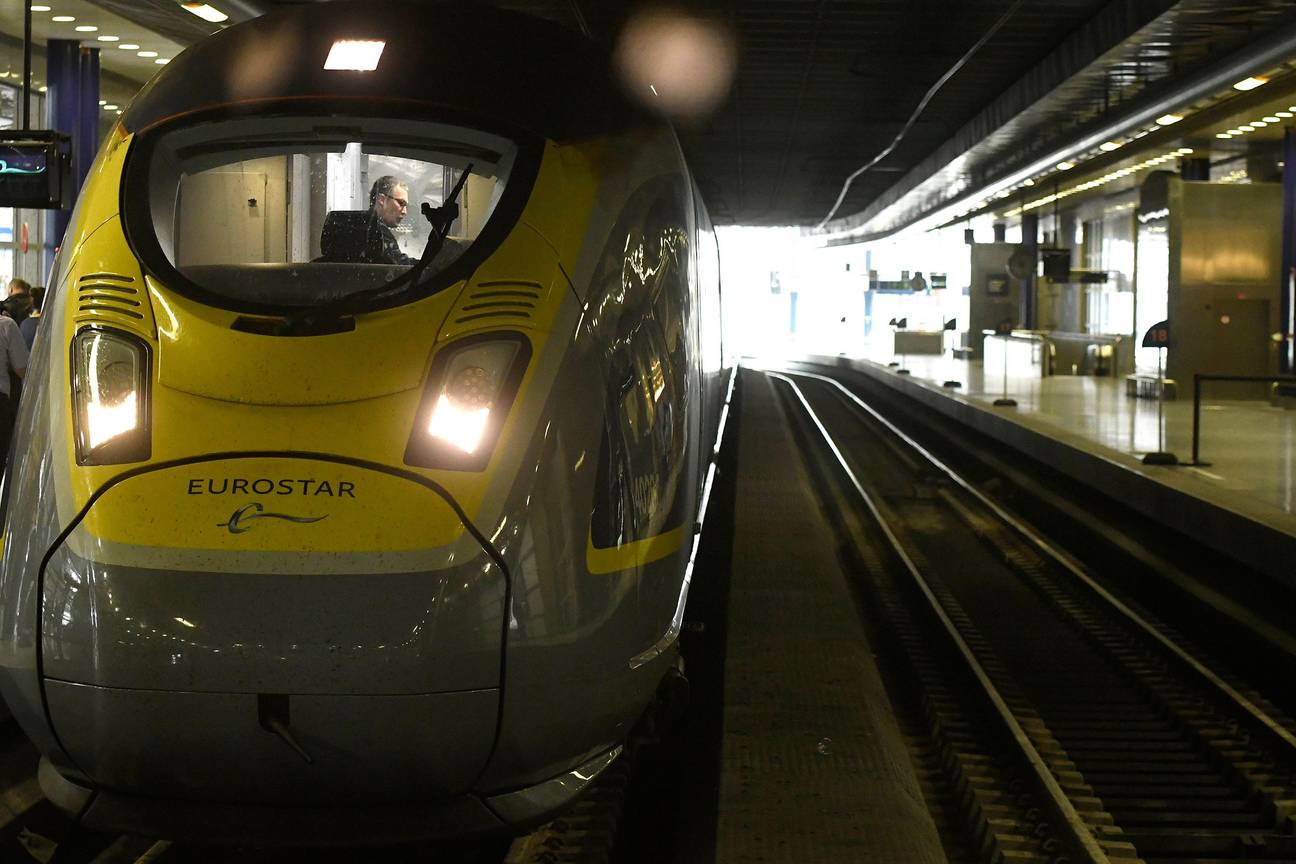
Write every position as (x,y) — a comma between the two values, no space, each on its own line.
(360,237)
(381,246)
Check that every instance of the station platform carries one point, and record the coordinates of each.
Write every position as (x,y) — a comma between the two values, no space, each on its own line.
(1240,498)
(814,767)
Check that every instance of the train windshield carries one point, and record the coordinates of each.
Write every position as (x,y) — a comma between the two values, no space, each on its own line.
(284,213)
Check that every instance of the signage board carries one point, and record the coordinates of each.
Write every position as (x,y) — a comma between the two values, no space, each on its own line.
(1158,335)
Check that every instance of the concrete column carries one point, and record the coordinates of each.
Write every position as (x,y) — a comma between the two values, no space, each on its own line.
(1030,242)
(1287,303)
(1196,168)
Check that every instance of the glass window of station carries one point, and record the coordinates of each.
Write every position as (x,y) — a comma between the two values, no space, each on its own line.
(16,223)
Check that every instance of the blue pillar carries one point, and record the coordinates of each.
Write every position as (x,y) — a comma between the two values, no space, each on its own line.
(1288,273)
(86,141)
(73,104)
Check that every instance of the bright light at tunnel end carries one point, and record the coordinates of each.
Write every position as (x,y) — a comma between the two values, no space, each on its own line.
(355,55)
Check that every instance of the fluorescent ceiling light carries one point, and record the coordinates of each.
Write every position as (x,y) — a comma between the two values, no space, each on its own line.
(86,28)
(1065,166)
(1283,114)
(1169,119)
(40,8)
(128,46)
(149,54)
(1109,146)
(355,55)
(110,107)
(63,19)
(1223,134)
(1250,83)
(1184,151)
(1258,124)
(1271,119)
(205,12)
(162,61)
(109,38)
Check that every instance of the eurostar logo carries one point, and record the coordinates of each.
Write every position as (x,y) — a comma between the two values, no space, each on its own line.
(240,521)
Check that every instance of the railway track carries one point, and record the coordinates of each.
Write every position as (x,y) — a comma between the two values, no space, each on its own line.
(1059,723)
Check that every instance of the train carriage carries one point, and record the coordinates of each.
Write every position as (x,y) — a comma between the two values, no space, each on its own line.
(333,547)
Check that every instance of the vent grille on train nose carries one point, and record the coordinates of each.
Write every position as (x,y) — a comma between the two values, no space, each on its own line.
(506,300)
(108,295)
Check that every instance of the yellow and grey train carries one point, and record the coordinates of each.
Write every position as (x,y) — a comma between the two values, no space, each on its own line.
(308,535)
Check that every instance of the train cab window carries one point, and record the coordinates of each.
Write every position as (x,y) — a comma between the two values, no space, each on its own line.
(286,213)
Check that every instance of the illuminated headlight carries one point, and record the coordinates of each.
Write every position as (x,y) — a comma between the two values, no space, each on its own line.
(470,389)
(110,397)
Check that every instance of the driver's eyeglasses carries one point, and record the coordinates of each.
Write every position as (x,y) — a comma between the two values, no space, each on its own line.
(404,204)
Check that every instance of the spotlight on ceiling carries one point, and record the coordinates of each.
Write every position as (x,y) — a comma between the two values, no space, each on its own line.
(206,12)
(357,55)
(1250,83)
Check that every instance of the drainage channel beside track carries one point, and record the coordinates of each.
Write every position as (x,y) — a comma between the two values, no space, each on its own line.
(1061,724)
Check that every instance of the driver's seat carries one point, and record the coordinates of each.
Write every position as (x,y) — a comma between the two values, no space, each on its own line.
(345,236)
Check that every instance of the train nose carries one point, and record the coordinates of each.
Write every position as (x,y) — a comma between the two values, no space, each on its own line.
(208,628)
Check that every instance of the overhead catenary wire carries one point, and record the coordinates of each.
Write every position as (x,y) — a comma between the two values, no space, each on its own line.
(580,18)
(927,97)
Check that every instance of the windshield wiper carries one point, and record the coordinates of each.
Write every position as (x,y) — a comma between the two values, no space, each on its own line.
(440,219)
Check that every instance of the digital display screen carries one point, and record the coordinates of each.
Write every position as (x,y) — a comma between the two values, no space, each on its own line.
(35,170)
(23,159)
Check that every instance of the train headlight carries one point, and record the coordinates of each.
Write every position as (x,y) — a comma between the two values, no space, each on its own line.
(110,397)
(469,393)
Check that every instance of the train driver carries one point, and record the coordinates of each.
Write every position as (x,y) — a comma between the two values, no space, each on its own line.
(388,204)
(365,236)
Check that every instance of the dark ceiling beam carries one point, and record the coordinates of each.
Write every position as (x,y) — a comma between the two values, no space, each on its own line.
(1270,48)
(807,67)
(1107,30)
(167,18)
(737,97)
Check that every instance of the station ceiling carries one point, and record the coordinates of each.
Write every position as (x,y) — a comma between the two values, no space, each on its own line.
(822,86)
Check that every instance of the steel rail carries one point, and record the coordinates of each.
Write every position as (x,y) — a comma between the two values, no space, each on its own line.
(1074,568)
(1065,813)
